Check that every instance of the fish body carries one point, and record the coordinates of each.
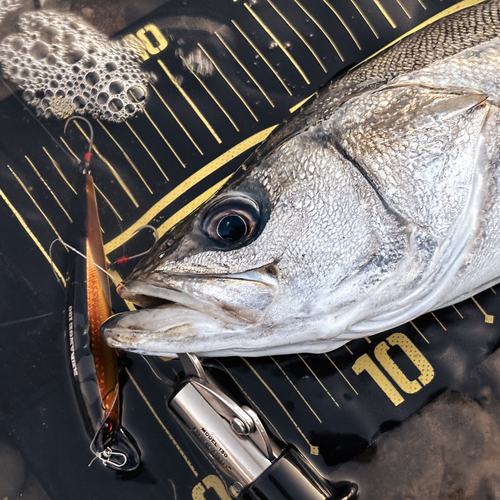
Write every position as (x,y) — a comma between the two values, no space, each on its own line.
(376,203)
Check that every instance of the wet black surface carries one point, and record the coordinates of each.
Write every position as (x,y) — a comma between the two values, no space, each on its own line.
(323,406)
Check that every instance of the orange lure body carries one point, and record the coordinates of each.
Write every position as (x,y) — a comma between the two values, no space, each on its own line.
(99,309)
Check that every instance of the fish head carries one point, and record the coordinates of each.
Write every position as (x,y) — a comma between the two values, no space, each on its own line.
(252,270)
(368,209)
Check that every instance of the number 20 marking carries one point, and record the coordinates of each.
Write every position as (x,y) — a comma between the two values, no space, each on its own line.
(365,363)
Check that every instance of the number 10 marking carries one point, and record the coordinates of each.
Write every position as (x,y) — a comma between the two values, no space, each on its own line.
(408,386)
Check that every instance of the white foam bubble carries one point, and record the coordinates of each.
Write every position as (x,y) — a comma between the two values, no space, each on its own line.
(65,66)
(7,6)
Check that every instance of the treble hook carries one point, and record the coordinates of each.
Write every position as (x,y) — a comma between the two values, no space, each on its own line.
(87,156)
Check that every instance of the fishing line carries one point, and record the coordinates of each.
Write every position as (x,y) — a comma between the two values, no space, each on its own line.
(124,258)
(160,376)
(173,488)
(67,246)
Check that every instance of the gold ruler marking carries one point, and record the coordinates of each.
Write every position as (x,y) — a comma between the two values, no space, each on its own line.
(365,19)
(263,382)
(408,15)
(245,69)
(346,346)
(70,150)
(146,149)
(437,319)
(108,202)
(318,380)
(263,57)
(278,43)
(49,190)
(194,179)
(419,332)
(342,375)
(301,38)
(385,13)
(175,118)
(488,318)
(320,27)
(458,312)
(32,236)
(160,133)
(132,164)
(167,432)
(351,34)
(111,168)
(422,4)
(240,97)
(189,101)
(59,171)
(202,83)
(296,390)
(301,103)
(26,190)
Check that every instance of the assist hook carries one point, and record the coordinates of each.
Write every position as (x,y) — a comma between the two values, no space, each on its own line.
(87,156)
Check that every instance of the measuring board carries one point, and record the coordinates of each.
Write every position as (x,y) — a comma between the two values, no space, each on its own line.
(224,74)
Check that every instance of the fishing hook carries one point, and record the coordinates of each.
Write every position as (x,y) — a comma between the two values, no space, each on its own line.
(124,259)
(87,156)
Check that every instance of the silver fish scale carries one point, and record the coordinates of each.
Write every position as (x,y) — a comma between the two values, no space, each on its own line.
(416,146)
(381,202)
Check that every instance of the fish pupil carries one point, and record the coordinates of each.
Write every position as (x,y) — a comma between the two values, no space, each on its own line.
(232,228)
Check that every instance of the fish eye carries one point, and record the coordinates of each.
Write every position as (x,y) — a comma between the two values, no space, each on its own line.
(232,221)
(232,228)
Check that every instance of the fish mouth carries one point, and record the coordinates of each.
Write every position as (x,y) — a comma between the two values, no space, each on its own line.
(180,313)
